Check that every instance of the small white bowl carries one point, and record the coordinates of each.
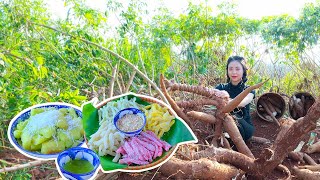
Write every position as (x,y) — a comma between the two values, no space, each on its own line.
(77,153)
(126,111)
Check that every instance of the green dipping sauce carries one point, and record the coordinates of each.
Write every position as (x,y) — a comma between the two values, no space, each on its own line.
(78,166)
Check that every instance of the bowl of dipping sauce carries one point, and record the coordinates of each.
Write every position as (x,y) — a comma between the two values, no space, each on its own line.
(130,121)
(78,163)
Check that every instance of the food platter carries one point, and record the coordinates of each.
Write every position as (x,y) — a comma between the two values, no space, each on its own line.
(24,115)
(179,132)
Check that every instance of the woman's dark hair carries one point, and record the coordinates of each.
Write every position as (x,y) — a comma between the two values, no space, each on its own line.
(241,61)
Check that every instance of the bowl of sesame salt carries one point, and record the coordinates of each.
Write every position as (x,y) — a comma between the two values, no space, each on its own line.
(130,121)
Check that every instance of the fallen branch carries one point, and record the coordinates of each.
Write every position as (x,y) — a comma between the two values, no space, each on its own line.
(21,166)
(130,81)
(144,76)
(111,85)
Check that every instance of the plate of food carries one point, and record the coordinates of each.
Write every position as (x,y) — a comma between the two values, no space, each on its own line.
(44,130)
(133,132)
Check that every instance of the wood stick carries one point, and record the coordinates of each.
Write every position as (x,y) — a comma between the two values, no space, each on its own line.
(144,76)
(21,166)
(111,85)
(130,81)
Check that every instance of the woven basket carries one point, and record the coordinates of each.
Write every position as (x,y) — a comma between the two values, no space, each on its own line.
(276,97)
(172,150)
(308,98)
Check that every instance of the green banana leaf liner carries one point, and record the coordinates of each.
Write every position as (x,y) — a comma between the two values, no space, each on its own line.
(179,133)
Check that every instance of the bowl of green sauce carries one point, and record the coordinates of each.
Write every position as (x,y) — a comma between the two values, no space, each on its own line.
(78,163)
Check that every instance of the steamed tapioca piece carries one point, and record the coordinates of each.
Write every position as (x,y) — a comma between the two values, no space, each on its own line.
(37,139)
(37,111)
(47,132)
(35,147)
(72,113)
(62,122)
(20,126)
(64,111)
(65,138)
(26,140)
(52,146)
(76,133)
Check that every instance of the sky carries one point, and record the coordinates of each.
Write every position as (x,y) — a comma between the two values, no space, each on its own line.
(253,9)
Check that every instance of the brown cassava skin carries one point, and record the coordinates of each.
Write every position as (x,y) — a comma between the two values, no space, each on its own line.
(288,140)
(197,169)
(313,148)
(227,156)
(297,156)
(275,106)
(174,106)
(309,159)
(274,102)
(237,100)
(200,90)
(306,174)
(310,167)
(204,117)
(266,106)
(259,140)
(232,129)
(199,103)
(291,133)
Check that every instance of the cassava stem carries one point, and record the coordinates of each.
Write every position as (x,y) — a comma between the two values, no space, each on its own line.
(173,104)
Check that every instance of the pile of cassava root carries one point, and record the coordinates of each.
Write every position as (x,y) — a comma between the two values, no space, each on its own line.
(299,104)
(271,107)
(217,160)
